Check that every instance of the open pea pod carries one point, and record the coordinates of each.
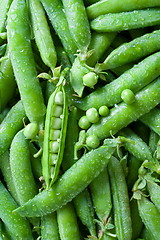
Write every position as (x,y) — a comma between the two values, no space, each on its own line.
(54,135)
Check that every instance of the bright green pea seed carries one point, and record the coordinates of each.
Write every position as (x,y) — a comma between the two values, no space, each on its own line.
(59,99)
(103,111)
(128,96)
(31,130)
(56,123)
(92,141)
(54,147)
(84,123)
(54,134)
(90,79)
(92,115)
(58,110)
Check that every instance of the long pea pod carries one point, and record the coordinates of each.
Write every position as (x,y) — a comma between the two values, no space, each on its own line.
(150,216)
(70,184)
(49,227)
(54,135)
(18,227)
(78,23)
(67,223)
(135,79)
(10,125)
(42,34)
(133,50)
(113,22)
(111,6)
(22,59)
(152,120)
(122,218)
(54,10)
(123,114)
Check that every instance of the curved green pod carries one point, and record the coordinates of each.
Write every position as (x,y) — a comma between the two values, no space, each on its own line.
(54,135)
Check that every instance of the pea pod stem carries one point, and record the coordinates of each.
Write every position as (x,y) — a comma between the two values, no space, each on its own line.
(70,184)
(123,114)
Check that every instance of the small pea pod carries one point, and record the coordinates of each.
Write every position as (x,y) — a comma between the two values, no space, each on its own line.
(21,54)
(67,223)
(123,114)
(4,7)
(49,227)
(150,216)
(18,227)
(42,34)
(78,23)
(10,125)
(154,190)
(54,135)
(110,6)
(70,184)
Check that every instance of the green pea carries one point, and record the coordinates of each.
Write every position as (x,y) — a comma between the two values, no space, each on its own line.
(57,111)
(92,115)
(92,141)
(84,123)
(103,111)
(53,159)
(90,79)
(59,100)
(128,96)
(31,130)
(57,122)
(54,134)
(54,146)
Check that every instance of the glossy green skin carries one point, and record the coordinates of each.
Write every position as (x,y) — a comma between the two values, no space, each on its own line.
(123,114)
(49,227)
(70,184)
(101,195)
(139,148)
(134,79)
(152,120)
(7,174)
(18,227)
(78,23)
(82,202)
(48,177)
(111,6)
(54,10)
(22,176)
(122,218)
(113,22)
(11,124)
(150,216)
(67,223)
(4,7)
(100,42)
(7,81)
(153,140)
(134,50)
(23,61)
(42,34)
(154,190)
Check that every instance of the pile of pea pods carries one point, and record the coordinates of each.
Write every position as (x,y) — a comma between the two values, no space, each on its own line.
(79,120)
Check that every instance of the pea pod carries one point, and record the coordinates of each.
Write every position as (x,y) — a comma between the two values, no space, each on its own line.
(110,6)
(20,50)
(113,22)
(150,216)
(70,184)
(54,135)
(4,7)
(121,207)
(154,190)
(49,227)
